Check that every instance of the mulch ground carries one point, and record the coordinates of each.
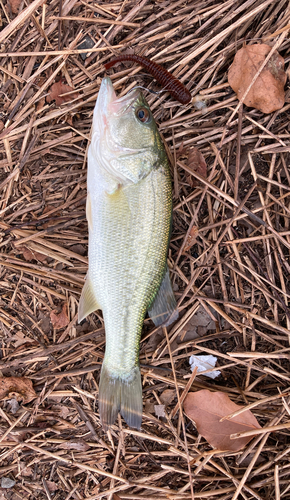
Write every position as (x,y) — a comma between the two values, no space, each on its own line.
(231,281)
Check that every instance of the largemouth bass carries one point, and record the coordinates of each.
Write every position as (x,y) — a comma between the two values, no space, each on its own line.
(129,212)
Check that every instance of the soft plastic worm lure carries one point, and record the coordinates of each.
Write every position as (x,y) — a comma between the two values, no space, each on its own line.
(166,79)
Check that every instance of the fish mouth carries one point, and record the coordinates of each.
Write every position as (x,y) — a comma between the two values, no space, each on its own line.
(106,94)
(109,101)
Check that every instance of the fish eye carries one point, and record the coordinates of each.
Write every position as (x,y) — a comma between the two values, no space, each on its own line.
(143,115)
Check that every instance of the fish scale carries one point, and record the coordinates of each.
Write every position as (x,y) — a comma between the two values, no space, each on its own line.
(129,210)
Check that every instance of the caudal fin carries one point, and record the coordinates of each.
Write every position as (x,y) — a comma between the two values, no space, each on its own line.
(120,394)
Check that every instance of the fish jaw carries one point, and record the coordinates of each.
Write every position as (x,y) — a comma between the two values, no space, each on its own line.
(107,104)
(101,175)
(105,97)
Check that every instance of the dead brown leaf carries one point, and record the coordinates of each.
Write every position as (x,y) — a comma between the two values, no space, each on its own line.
(64,411)
(59,320)
(200,324)
(167,396)
(267,93)
(182,151)
(76,444)
(195,161)
(191,239)
(19,388)
(44,322)
(40,104)
(14,5)
(78,248)
(206,409)
(1,125)
(57,90)
(30,255)
(25,471)
(19,338)
(52,486)
(149,407)
(69,119)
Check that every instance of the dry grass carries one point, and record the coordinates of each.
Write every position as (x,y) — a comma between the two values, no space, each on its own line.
(236,275)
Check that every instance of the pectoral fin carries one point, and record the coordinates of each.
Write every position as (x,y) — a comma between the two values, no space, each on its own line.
(163,310)
(88,302)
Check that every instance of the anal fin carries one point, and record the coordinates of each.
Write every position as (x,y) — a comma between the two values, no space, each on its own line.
(163,310)
(88,302)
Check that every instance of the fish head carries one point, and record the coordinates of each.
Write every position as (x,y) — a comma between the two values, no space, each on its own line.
(126,144)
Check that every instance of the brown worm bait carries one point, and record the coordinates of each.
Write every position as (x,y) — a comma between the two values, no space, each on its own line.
(166,79)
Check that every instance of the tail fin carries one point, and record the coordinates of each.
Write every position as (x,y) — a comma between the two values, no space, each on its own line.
(120,394)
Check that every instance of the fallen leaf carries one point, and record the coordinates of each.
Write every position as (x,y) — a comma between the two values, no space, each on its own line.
(64,411)
(40,104)
(75,444)
(59,320)
(195,161)
(167,396)
(19,388)
(267,93)
(56,91)
(116,497)
(79,249)
(206,409)
(69,119)
(19,338)
(149,407)
(182,151)
(248,459)
(159,410)
(191,239)
(44,322)
(25,471)
(52,486)
(30,255)
(15,4)
(200,324)
(1,125)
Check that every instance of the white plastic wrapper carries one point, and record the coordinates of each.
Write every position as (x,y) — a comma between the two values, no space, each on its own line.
(204,362)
